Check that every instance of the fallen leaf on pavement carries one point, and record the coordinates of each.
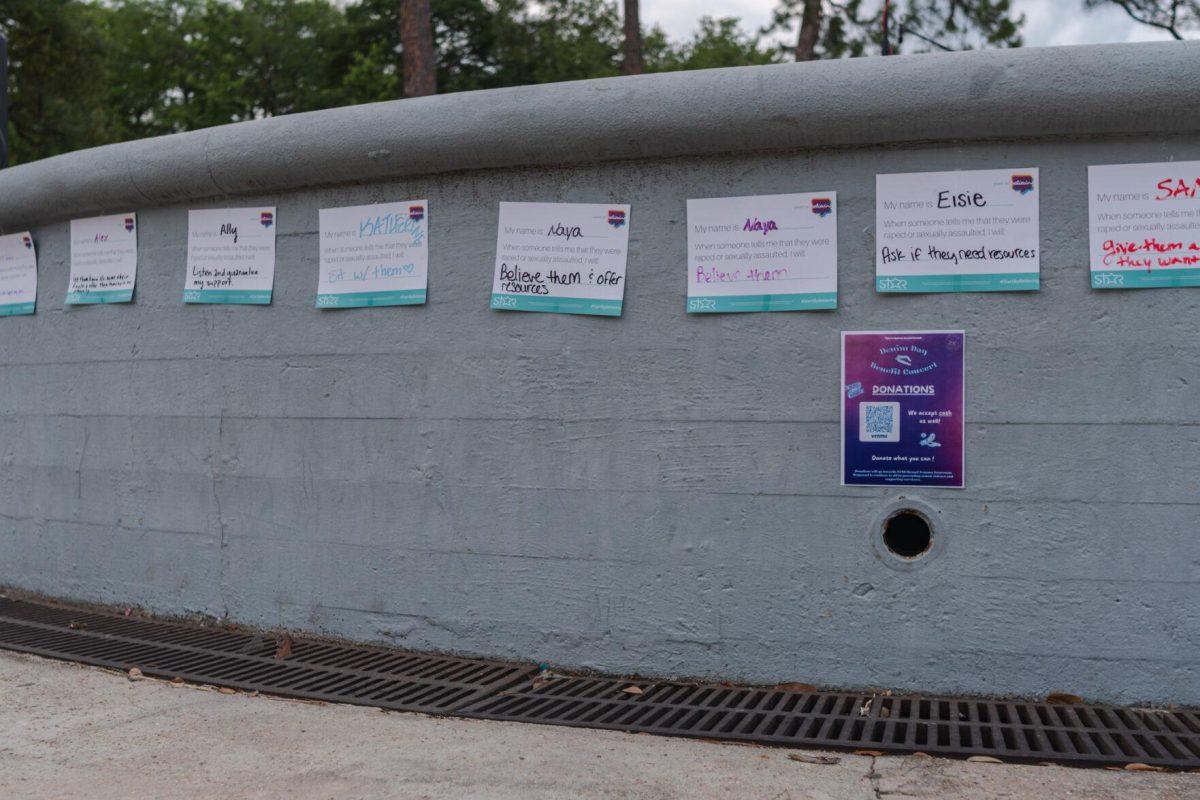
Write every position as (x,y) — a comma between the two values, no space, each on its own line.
(795,687)
(1063,699)
(226,690)
(284,649)
(868,752)
(135,674)
(984,760)
(633,690)
(1137,767)
(807,759)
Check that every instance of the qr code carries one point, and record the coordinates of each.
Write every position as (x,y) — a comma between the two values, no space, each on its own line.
(879,422)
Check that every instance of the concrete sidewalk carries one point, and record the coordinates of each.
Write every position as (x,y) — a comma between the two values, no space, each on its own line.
(74,731)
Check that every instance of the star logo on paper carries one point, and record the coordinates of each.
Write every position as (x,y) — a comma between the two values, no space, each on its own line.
(616,217)
(822,206)
(27,242)
(129,224)
(267,219)
(416,213)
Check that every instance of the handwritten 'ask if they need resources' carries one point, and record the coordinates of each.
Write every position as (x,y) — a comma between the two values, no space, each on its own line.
(972,231)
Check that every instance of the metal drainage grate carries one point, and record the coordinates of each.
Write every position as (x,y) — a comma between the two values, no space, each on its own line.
(1009,730)
(1012,731)
(316,670)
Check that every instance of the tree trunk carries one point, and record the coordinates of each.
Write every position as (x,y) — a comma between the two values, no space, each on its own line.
(416,42)
(810,31)
(632,64)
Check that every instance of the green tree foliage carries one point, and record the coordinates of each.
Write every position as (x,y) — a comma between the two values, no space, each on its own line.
(1173,16)
(184,64)
(58,55)
(88,72)
(716,43)
(485,44)
(855,27)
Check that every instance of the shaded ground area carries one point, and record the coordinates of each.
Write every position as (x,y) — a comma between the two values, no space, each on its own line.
(73,731)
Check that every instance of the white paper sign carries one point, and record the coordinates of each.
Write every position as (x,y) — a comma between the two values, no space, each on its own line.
(18,275)
(975,231)
(1145,225)
(374,255)
(562,257)
(230,256)
(773,252)
(103,259)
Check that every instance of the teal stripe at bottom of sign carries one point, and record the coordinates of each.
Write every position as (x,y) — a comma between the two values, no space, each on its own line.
(761,302)
(409,297)
(112,296)
(16,309)
(557,305)
(246,297)
(993,282)
(1141,279)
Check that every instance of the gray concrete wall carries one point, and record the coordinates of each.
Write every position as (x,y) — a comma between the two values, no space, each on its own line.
(656,493)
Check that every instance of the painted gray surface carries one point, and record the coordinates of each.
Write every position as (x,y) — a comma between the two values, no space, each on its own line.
(997,94)
(657,493)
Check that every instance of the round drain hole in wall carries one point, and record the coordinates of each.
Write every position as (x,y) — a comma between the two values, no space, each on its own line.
(907,534)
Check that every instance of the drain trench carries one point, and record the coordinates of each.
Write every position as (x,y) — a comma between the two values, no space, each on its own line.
(1079,734)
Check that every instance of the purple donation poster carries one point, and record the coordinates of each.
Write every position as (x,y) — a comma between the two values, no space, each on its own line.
(902,408)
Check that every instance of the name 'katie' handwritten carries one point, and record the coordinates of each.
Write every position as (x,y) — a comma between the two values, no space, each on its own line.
(374,255)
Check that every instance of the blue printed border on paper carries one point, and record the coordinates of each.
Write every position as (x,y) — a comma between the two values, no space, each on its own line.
(725,304)
(992,282)
(16,309)
(108,296)
(1143,279)
(247,297)
(556,305)
(407,297)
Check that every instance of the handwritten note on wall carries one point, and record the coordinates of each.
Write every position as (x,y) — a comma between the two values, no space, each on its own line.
(103,259)
(766,253)
(1145,225)
(18,275)
(374,255)
(567,258)
(975,231)
(230,256)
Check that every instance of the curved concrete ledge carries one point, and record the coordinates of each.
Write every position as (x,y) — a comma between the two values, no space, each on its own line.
(998,94)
